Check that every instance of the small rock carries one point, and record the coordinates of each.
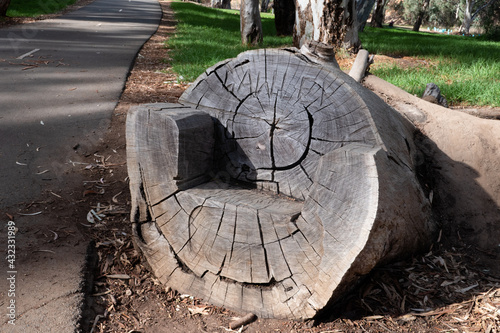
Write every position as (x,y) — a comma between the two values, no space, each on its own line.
(432,90)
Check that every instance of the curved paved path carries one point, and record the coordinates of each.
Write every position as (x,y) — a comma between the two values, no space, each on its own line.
(63,93)
(60,81)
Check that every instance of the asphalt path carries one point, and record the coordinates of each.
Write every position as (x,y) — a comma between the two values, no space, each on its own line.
(60,80)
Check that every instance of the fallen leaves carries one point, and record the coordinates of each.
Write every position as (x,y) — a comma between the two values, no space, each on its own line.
(118,276)
(201,310)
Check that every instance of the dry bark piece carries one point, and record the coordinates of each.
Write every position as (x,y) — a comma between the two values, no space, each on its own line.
(321,185)
(247,319)
(432,94)
(360,65)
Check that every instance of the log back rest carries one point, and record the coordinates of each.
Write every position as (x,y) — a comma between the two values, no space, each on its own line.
(277,117)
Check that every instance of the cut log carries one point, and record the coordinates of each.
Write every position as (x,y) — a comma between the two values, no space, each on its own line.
(274,185)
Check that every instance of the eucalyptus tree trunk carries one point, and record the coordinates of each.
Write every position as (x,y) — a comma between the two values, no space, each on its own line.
(471,11)
(264,6)
(331,22)
(226,4)
(379,14)
(250,23)
(421,15)
(465,28)
(4,5)
(364,8)
(284,17)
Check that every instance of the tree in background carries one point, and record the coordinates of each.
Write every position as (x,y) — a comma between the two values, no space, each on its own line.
(4,5)
(421,14)
(490,20)
(472,9)
(379,13)
(331,22)
(226,4)
(448,13)
(364,8)
(284,16)
(444,13)
(264,6)
(250,23)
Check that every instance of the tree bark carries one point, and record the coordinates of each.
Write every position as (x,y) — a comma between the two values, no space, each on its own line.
(351,39)
(379,14)
(364,8)
(274,186)
(284,17)
(465,28)
(4,5)
(264,6)
(470,15)
(225,4)
(250,23)
(331,22)
(421,15)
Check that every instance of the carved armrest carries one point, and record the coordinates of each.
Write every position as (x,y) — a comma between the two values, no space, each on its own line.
(169,148)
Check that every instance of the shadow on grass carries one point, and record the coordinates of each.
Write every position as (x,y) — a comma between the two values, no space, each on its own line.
(402,42)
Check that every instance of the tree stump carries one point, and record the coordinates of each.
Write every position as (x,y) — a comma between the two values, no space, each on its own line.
(273,186)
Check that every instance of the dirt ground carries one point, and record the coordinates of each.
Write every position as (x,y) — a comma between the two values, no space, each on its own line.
(447,289)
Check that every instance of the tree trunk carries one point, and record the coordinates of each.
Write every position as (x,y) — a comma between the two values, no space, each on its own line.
(264,6)
(351,39)
(470,14)
(379,14)
(4,5)
(364,8)
(284,16)
(225,4)
(331,22)
(274,186)
(466,24)
(250,24)
(420,16)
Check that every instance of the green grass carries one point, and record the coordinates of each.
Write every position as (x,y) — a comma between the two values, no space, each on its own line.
(33,8)
(466,69)
(206,36)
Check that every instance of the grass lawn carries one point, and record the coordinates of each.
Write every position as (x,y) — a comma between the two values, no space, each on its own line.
(466,69)
(33,8)
(206,36)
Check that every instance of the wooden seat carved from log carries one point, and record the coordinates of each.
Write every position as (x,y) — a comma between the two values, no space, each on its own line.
(273,186)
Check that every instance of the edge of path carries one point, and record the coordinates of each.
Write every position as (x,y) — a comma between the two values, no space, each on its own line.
(59,226)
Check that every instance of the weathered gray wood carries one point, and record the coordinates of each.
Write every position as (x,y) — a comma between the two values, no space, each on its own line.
(360,65)
(178,139)
(321,53)
(293,182)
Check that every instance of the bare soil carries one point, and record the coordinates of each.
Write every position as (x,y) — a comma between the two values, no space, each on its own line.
(447,289)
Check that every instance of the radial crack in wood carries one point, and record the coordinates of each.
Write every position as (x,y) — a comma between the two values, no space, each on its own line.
(274,186)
